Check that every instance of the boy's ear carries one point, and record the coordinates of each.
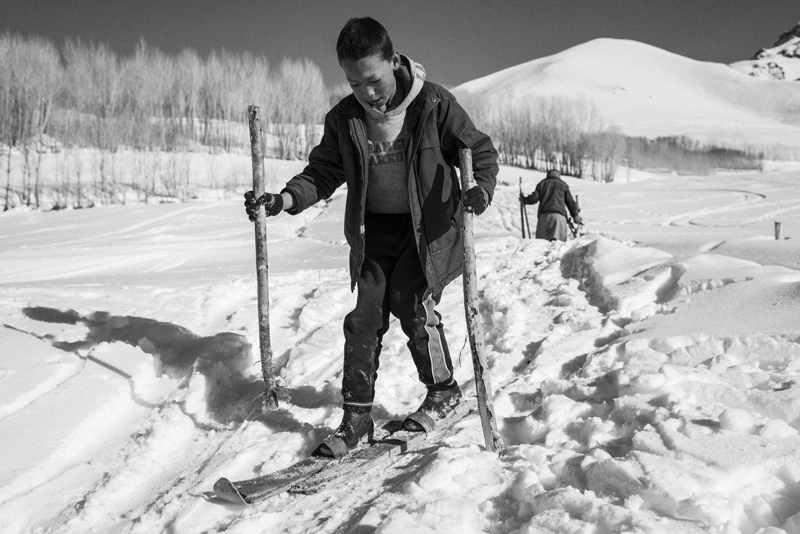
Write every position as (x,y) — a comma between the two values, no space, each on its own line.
(396,60)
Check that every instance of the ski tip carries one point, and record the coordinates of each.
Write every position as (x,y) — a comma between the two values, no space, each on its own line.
(225,490)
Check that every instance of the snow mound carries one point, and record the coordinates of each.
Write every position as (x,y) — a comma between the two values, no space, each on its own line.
(647,91)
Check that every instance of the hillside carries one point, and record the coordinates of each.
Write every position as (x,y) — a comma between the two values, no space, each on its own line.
(647,91)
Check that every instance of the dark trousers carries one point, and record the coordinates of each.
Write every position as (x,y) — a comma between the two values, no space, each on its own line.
(392,281)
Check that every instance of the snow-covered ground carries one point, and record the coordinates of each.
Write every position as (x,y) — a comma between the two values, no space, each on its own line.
(645,374)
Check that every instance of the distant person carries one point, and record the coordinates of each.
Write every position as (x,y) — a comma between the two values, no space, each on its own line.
(554,200)
(395,142)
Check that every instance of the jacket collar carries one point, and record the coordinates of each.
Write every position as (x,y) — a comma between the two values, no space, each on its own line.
(423,103)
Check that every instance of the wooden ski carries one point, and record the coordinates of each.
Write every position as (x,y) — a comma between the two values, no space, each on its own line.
(314,473)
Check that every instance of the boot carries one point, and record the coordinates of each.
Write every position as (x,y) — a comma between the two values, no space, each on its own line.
(354,429)
(437,404)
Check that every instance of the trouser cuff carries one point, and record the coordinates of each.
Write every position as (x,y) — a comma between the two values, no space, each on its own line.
(358,407)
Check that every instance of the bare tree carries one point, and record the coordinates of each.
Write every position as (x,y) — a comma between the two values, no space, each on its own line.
(300,100)
(185,93)
(32,78)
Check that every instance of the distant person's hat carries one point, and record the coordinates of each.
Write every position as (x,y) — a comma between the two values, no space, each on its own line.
(553,174)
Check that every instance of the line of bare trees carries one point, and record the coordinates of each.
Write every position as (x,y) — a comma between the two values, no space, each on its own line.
(85,95)
(549,132)
(568,134)
(686,156)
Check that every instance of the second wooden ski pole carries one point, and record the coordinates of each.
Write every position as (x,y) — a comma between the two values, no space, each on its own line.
(474,329)
(523,214)
(521,210)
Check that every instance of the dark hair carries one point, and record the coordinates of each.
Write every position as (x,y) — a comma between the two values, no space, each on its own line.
(363,37)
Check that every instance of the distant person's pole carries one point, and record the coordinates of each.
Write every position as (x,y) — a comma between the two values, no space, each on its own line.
(475,332)
(522,211)
(272,392)
(777,230)
(527,221)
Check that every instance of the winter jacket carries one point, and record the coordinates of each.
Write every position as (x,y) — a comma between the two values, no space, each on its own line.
(438,127)
(553,196)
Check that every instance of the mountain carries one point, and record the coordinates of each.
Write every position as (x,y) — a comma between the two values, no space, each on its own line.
(647,91)
(781,62)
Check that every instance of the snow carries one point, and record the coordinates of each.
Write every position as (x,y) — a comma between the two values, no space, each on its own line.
(646,91)
(645,374)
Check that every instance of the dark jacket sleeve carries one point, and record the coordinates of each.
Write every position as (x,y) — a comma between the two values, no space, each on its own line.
(324,172)
(457,131)
(533,198)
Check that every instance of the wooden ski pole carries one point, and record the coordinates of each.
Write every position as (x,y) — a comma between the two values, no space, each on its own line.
(527,222)
(272,391)
(474,330)
(522,211)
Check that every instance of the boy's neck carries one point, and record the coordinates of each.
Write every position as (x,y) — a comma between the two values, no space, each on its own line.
(400,90)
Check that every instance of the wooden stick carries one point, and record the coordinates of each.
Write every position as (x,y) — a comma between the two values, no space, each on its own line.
(777,230)
(474,330)
(522,211)
(527,221)
(272,392)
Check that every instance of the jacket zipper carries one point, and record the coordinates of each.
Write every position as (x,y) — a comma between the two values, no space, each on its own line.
(412,169)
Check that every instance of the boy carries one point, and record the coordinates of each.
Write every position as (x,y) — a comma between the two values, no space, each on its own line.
(395,141)
(554,198)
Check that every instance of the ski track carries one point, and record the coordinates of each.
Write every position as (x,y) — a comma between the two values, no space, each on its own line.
(749,198)
(102,237)
(42,388)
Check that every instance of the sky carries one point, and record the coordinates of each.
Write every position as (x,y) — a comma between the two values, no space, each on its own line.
(456,41)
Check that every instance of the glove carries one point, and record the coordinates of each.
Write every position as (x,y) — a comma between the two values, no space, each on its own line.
(476,200)
(523,199)
(578,220)
(272,203)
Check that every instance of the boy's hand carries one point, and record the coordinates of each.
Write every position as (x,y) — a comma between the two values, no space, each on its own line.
(476,200)
(272,203)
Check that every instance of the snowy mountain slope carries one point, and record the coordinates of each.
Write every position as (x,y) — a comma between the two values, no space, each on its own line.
(651,92)
(630,396)
(779,62)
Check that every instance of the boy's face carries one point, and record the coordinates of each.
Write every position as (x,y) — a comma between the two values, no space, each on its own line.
(372,79)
